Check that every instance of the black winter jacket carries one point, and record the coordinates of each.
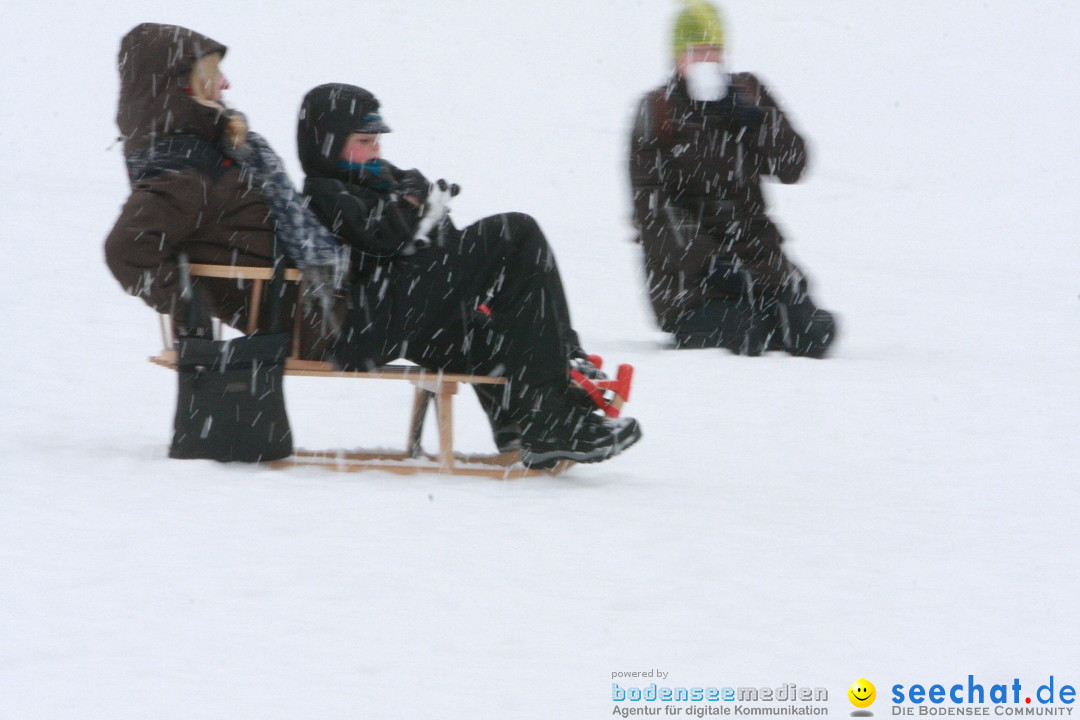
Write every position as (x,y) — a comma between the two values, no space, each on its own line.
(368,212)
(695,170)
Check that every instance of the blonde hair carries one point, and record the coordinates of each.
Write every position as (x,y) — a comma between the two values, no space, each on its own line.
(205,76)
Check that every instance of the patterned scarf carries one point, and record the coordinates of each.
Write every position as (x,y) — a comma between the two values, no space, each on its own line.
(323,262)
(303,236)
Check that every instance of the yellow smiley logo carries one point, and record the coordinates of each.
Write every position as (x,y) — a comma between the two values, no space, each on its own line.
(862,693)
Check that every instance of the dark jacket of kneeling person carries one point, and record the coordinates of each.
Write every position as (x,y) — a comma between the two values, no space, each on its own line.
(700,148)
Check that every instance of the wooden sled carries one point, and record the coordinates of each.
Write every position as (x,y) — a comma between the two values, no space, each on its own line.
(431,388)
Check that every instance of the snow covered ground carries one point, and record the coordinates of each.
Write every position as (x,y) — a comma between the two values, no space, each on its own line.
(905,511)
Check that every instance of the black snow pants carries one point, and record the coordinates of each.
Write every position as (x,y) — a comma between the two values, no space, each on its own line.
(749,324)
(485,300)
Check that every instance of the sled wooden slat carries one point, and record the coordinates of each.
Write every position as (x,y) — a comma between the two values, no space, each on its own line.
(316,368)
(431,387)
(240,272)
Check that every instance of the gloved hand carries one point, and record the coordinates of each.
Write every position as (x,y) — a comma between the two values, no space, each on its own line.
(746,108)
(434,209)
(749,117)
(413,184)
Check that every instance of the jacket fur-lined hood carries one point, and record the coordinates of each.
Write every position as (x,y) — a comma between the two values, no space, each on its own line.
(155,64)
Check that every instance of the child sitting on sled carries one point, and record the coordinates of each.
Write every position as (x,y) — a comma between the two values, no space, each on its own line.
(485,299)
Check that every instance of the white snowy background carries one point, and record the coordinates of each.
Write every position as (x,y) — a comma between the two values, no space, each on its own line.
(905,511)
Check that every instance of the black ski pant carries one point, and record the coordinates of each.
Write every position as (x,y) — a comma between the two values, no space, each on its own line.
(486,300)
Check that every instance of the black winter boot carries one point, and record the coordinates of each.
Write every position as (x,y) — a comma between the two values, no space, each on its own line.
(505,430)
(808,331)
(730,323)
(558,428)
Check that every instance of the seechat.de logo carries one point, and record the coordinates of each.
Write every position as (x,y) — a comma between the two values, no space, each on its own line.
(862,694)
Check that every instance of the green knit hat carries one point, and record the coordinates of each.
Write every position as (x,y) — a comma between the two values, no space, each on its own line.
(699,23)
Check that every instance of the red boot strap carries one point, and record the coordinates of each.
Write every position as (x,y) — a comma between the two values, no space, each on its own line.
(594,393)
(619,387)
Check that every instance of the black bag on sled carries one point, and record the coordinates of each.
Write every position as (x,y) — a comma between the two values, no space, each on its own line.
(231,405)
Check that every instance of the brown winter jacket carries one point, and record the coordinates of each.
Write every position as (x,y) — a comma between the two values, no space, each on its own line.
(208,210)
(695,171)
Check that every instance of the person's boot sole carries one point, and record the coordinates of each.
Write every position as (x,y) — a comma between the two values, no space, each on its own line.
(547,459)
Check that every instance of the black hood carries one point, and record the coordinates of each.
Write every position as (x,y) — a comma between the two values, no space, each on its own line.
(328,115)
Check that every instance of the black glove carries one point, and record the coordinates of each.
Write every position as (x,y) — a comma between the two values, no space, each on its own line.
(746,110)
(748,116)
(412,182)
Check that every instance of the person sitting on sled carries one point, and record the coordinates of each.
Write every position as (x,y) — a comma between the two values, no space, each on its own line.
(717,275)
(484,299)
(205,187)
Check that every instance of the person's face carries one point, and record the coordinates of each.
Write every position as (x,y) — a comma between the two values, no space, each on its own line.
(219,85)
(699,53)
(361,148)
(210,80)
